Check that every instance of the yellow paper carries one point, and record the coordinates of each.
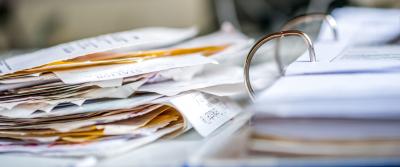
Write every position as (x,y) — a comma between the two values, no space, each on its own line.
(105,58)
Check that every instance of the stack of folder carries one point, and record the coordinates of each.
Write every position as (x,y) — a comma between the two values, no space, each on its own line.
(115,92)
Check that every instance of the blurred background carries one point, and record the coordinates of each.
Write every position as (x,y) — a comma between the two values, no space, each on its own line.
(26,24)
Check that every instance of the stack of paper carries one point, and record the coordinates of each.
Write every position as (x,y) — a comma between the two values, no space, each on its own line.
(115,92)
(339,114)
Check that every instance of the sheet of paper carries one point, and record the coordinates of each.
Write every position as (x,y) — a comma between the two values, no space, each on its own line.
(181,74)
(101,106)
(205,112)
(364,26)
(24,110)
(138,39)
(344,86)
(341,67)
(4,87)
(44,77)
(370,53)
(99,73)
(11,105)
(211,76)
(108,83)
(225,90)
(324,51)
(123,91)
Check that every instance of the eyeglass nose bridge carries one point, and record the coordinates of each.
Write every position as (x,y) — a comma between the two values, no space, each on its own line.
(281,67)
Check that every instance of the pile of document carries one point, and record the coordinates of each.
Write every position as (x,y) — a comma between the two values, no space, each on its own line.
(346,104)
(115,92)
(329,115)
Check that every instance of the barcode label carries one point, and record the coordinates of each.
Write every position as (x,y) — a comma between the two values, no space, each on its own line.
(206,112)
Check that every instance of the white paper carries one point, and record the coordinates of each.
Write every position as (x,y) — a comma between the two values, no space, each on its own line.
(4,87)
(101,106)
(212,76)
(225,90)
(341,67)
(23,110)
(138,39)
(52,102)
(125,70)
(123,91)
(364,26)
(45,77)
(370,53)
(107,83)
(324,51)
(181,74)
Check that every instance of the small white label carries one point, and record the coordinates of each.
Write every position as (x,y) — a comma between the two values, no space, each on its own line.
(206,112)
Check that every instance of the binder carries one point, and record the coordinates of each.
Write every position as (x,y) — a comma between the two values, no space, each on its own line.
(287,30)
(335,114)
